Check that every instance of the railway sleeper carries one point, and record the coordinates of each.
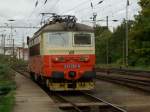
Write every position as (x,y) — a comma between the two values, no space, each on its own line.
(89,107)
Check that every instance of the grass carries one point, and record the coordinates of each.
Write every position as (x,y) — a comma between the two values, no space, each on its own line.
(7,84)
(7,98)
(7,102)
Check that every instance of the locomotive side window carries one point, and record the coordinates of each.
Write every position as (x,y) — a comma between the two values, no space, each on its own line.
(34,48)
(58,40)
(82,39)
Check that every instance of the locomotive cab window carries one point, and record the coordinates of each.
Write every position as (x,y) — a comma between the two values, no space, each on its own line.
(57,40)
(82,39)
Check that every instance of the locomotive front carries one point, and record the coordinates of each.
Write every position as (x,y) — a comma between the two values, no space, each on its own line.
(71,57)
(66,57)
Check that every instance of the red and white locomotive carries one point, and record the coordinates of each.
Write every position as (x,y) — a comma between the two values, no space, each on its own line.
(62,55)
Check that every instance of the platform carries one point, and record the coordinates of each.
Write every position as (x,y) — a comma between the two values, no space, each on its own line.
(31,98)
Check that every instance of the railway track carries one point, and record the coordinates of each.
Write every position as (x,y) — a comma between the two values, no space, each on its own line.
(80,101)
(110,105)
(121,71)
(91,104)
(131,79)
(22,72)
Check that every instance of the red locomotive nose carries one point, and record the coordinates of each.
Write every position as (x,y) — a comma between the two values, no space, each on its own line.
(72,74)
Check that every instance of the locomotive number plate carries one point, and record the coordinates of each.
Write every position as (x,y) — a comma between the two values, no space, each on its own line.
(71,66)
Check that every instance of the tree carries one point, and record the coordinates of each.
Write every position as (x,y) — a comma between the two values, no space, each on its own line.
(102,35)
(140,36)
(117,43)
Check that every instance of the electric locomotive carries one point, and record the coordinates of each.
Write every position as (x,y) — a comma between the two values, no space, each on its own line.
(62,55)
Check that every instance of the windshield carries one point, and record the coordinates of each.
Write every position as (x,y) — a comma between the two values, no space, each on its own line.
(82,39)
(58,39)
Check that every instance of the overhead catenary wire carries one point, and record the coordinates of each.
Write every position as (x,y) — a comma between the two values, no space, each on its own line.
(93,6)
(121,10)
(77,6)
(118,10)
(83,9)
(37,8)
(71,9)
(116,13)
(55,4)
(32,12)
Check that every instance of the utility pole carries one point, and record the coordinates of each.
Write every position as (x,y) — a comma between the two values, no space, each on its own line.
(127,49)
(23,46)
(4,43)
(19,52)
(13,42)
(107,43)
(107,21)
(123,44)
(23,50)
(1,46)
(11,36)
(123,52)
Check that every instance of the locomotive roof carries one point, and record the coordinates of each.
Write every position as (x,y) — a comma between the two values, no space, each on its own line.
(61,27)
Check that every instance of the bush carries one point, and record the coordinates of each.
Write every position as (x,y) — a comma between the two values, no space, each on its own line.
(7,102)
(19,63)
(5,72)
(7,84)
(141,62)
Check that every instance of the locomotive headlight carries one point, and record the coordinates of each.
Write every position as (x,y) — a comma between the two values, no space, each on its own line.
(56,59)
(59,59)
(84,59)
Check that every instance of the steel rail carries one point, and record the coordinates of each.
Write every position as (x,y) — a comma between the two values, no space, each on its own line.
(73,104)
(126,82)
(125,72)
(144,82)
(140,74)
(22,72)
(116,107)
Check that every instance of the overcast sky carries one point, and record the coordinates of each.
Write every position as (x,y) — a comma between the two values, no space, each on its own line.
(25,13)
